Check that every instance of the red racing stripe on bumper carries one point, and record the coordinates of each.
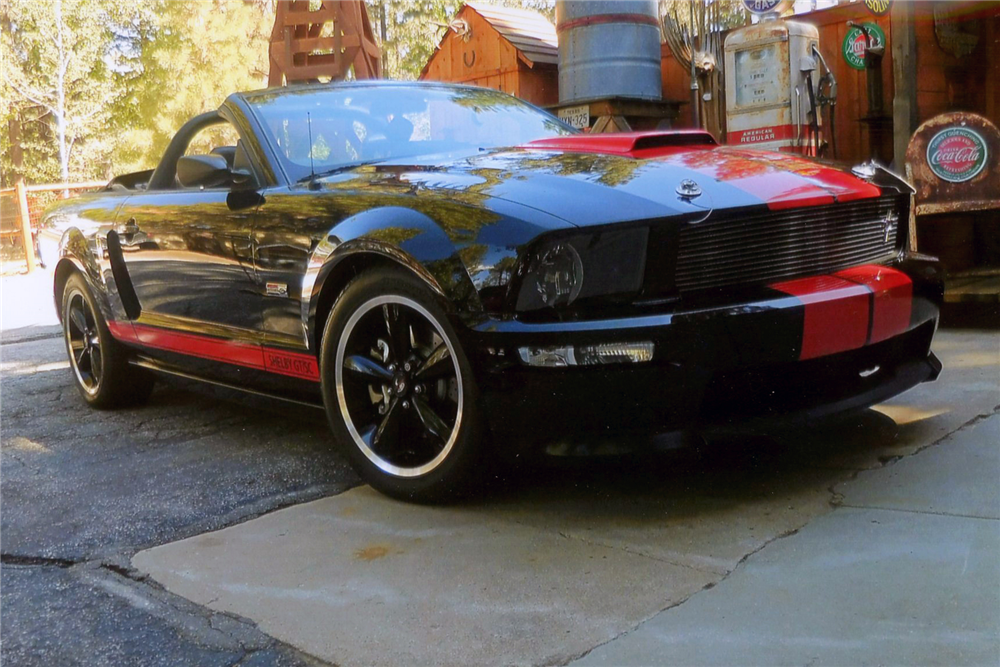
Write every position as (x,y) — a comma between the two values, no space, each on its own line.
(892,294)
(836,314)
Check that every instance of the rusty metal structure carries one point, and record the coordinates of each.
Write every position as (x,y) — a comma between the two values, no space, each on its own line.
(327,42)
(694,33)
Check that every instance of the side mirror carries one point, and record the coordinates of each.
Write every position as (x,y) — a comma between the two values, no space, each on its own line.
(206,171)
(241,176)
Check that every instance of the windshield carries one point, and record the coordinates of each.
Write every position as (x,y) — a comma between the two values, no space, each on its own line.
(344,127)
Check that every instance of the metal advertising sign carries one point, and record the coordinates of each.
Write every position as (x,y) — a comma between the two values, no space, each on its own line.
(855,44)
(878,7)
(764,6)
(953,161)
(956,154)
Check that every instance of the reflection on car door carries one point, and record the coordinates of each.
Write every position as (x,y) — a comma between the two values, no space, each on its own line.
(188,255)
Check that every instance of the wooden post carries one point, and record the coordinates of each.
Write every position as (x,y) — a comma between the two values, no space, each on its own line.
(26,241)
(904,79)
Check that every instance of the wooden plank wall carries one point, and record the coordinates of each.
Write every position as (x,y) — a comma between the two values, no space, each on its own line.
(489,60)
(944,83)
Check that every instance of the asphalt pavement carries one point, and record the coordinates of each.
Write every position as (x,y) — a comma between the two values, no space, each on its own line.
(84,490)
(209,528)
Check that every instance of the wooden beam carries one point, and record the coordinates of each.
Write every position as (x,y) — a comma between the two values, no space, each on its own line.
(26,239)
(904,79)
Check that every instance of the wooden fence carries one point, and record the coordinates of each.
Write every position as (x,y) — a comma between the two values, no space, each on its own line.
(21,210)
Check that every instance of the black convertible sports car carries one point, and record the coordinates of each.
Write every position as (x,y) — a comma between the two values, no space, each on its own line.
(446,268)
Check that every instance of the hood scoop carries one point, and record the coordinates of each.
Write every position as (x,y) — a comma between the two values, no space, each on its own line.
(629,144)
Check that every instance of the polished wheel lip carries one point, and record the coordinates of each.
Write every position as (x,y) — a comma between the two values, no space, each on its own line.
(88,336)
(379,462)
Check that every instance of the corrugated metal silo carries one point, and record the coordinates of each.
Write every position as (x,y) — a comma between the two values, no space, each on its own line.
(608,49)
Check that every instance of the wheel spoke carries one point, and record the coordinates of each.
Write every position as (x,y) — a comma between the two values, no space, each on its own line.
(81,353)
(96,363)
(398,330)
(77,318)
(434,424)
(380,435)
(77,345)
(438,363)
(362,365)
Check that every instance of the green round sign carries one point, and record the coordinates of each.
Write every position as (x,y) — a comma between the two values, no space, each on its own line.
(957,154)
(855,44)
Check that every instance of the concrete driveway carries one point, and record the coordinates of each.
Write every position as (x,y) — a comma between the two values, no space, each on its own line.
(213,529)
(576,558)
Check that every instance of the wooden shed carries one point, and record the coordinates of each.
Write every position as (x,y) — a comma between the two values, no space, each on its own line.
(513,50)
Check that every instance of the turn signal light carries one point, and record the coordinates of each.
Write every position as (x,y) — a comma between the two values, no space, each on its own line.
(587,355)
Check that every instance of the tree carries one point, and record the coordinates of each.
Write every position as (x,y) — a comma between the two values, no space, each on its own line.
(194,56)
(65,67)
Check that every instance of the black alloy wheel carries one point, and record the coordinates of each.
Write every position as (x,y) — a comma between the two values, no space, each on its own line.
(398,388)
(84,343)
(100,364)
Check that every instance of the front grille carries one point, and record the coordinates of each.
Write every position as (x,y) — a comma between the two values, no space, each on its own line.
(757,248)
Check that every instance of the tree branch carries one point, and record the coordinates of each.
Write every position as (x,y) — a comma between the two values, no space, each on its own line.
(25,94)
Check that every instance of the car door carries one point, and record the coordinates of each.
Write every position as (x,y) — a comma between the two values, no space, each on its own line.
(188,254)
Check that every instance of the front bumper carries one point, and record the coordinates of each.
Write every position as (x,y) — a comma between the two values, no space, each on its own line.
(779,356)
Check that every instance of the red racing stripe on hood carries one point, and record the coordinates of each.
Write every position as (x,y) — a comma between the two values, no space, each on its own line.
(787,181)
(779,180)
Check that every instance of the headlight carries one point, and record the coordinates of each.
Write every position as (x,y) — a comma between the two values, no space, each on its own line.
(603,263)
(556,277)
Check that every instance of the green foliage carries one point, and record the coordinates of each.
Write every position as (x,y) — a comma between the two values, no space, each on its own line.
(194,56)
(128,73)
(100,86)
(66,65)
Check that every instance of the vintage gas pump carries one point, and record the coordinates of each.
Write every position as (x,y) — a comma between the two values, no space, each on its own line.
(774,93)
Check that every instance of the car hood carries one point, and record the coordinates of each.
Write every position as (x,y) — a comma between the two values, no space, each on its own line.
(587,188)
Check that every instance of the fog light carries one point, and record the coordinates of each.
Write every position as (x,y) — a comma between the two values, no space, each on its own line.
(587,355)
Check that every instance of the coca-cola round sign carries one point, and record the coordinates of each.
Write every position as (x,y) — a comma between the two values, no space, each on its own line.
(956,154)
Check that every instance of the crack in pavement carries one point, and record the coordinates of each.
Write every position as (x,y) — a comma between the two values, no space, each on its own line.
(837,498)
(625,549)
(912,511)
(836,501)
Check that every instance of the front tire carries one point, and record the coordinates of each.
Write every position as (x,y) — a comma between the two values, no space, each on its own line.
(399,390)
(98,362)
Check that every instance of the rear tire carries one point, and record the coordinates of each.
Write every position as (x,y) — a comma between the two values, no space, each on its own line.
(98,362)
(399,391)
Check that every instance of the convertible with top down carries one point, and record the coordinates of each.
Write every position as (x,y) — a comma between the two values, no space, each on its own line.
(451,273)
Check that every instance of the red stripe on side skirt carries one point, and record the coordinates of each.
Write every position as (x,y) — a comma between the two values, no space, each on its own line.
(893,298)
(122,331)
(248,355)
(836,314)
(203,347)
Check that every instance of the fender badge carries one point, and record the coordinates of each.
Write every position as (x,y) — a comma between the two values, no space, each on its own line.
(277,289)
(688,189)
(889,225)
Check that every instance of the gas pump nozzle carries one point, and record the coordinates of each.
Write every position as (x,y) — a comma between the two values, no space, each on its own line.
(830,99)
